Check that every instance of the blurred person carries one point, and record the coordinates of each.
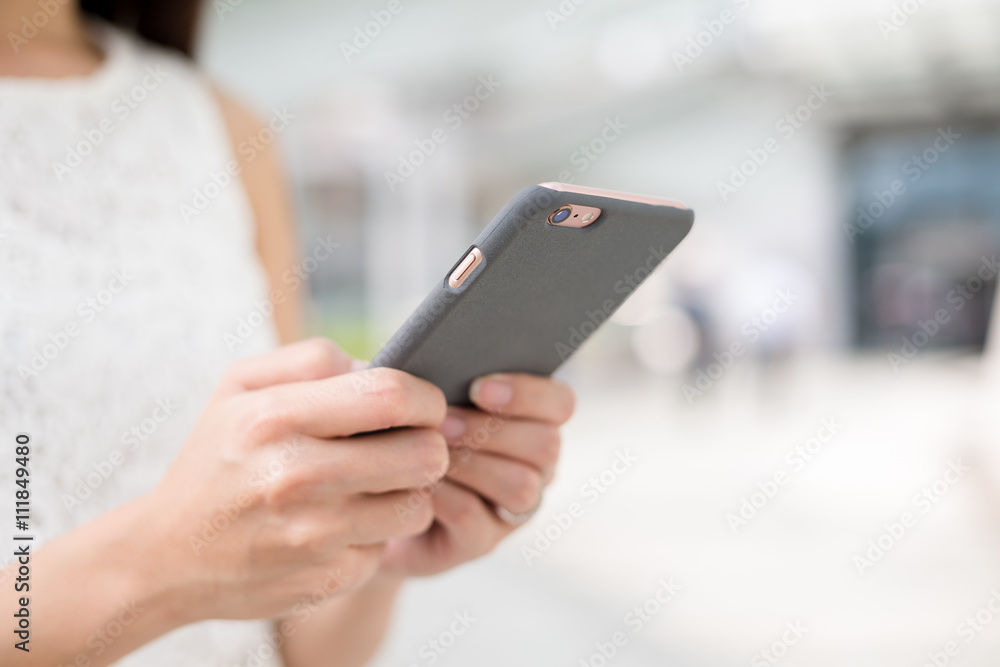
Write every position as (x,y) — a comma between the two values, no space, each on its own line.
(183,469)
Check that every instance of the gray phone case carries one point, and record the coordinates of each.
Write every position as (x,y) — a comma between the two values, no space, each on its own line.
(540,291)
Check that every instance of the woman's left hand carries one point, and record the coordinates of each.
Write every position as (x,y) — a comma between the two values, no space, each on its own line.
(503,454)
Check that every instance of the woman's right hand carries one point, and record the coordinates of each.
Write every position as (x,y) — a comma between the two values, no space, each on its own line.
(290,483)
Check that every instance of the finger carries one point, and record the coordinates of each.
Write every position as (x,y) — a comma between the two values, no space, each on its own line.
(389,461)
(471,524)
(369,519)
(361,402)
(353,568)
(525,396)
(515,486)
(532,442)
(306,360)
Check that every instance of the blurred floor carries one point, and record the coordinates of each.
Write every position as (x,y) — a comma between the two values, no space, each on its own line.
(666,517)
(691,129)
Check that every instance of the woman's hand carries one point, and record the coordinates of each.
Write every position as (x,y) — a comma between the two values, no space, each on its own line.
(284,494)
(276,498)
(502,455)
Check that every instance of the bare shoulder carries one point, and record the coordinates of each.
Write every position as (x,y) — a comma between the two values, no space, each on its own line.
(244,126)
(252,139)
(239,119)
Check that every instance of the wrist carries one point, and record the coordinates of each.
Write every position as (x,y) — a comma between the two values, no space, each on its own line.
(157,572)
(108,568)
(386,581)
(347,628)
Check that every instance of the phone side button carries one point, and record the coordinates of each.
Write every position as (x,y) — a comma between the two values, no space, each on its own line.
(465,269)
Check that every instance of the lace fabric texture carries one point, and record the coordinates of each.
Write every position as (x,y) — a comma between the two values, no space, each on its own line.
(114,305)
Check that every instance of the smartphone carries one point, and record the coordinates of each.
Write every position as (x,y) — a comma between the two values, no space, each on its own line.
(551,268)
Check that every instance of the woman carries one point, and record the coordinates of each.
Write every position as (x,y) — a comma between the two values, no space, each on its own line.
(171,484)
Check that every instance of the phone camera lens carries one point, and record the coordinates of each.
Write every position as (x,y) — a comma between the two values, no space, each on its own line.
(560,215)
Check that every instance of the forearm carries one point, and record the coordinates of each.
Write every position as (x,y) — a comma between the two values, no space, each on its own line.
(94,595)
(345,630)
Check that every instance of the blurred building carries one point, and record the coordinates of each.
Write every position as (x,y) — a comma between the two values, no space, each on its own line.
(672,98)
(843,156)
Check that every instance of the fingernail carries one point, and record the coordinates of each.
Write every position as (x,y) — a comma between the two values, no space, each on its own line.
(491,391)
(452,427)
(358,365)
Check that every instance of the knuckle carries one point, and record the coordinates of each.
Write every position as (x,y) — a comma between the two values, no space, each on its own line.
(421,519)
(567,406)
(326,533)
(549,445)
(439,405)
(263,417)
(322,353)
(279,483)
(525,489)
(302,538)
(430,453)
(402,399)
(465,509)
(391,392)
(276,491)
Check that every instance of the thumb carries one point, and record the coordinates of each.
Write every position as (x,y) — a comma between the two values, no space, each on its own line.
(307,360)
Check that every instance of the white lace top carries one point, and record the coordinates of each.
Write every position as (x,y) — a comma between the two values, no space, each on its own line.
(114,309)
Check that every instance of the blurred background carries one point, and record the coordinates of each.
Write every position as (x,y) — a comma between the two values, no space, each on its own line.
(843,159)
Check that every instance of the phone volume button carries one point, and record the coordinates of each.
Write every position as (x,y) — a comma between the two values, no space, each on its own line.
(465,268)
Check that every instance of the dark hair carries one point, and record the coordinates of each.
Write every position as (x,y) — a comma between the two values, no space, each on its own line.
(170,24)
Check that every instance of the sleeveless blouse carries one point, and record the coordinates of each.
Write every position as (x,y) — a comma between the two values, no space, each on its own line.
(123,297)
